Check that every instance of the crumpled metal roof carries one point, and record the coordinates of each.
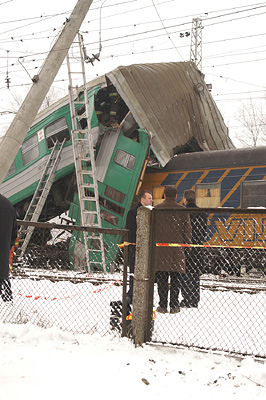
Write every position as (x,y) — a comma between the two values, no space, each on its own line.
(172,101)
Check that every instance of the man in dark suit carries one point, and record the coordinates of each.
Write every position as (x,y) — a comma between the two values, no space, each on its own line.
(8,236)
(170,227)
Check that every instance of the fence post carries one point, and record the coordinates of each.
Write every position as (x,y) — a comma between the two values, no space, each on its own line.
(142,275)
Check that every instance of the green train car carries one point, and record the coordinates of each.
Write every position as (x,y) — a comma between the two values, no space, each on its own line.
(163,106)
(121,150)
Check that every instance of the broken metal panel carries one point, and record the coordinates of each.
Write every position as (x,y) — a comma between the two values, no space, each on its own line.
(172,101)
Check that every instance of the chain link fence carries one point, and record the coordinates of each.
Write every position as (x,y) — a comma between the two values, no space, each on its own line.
(52,285)
(220,302)
(221,299)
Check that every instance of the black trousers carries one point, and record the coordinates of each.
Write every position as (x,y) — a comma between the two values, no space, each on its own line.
(162,278)
(191,281)
(5,289)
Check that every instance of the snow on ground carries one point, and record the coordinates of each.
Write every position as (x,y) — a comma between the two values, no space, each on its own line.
(39,363)
(56,342)
(225,320)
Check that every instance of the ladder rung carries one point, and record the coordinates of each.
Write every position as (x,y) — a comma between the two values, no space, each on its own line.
(79,102)
(75,131)
(81,139)
(89,198)
(87,184)
(76,72)
(85,159)
(96,262)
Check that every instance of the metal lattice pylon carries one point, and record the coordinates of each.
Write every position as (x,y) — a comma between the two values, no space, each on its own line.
(196,42)
(84,160)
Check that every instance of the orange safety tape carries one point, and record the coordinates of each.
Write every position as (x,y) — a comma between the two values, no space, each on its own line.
(46,298)
(197,245)
(125,244)
(129,317)
(207,245)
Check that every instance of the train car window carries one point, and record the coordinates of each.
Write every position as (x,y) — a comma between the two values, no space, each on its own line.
(112,219)
(30,149)
(57,130)
(12,169)
(114,194)
(124,159)
(111,206)
(253,194)
(208,195)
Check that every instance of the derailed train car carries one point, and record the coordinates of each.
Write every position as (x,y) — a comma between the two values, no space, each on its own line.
(222,179)
(138,114)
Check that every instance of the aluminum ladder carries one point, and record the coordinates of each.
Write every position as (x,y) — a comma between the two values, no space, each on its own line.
(40,196)
(84,160)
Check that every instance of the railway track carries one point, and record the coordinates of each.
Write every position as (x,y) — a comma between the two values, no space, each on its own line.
(243,284)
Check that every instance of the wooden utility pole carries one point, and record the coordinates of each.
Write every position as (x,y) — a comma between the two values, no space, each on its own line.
(16,133)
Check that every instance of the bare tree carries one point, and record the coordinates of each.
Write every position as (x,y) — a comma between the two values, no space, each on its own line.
(54,94)
(253,119)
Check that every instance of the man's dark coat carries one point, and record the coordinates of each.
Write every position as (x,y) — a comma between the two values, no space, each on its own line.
(131,223)
(171,227)
(199,226)
(8,234)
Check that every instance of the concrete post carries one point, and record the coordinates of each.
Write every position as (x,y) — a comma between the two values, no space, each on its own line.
(142,281)
(21,124)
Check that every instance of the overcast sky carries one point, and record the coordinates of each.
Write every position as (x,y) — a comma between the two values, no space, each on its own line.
(140,31)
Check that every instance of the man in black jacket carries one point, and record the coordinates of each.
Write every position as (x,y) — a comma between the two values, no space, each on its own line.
(145,199)
(8,235)
(195,256)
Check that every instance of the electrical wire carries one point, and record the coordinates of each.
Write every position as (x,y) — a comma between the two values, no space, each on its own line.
(169,37)
(153,46)
(235,80)
(164,27)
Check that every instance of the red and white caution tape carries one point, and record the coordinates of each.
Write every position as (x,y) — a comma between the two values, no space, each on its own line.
(67,297)
(207,245)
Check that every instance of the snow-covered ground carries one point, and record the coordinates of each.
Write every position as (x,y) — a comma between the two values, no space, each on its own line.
(56,342)
(226,320)
(39,363)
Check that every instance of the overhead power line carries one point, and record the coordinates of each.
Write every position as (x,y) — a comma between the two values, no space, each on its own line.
(152,30)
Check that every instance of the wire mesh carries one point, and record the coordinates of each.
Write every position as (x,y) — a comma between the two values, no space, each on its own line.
(221,297)
(220,301)
(52,286)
